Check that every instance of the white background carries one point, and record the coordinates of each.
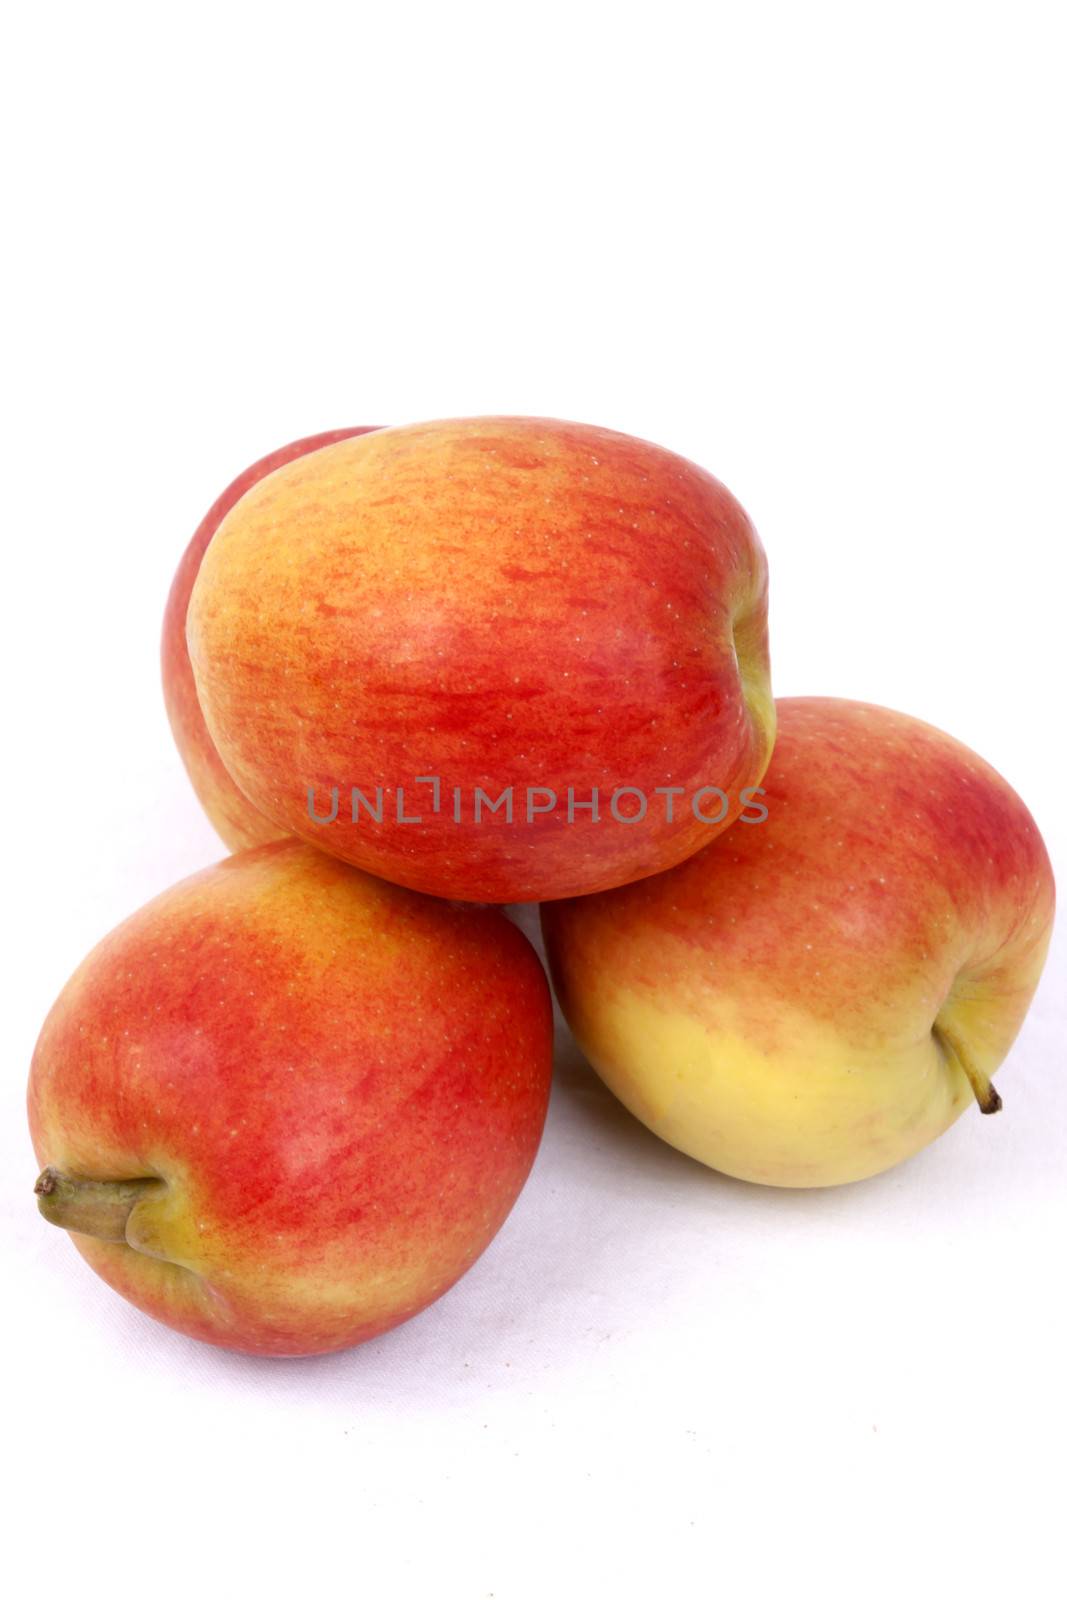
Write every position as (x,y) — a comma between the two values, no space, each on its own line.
(818,248)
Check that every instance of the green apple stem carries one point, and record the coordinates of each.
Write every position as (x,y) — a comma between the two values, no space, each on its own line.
(90,1205)
(981,1083)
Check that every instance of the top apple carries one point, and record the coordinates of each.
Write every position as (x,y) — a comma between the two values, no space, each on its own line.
(496,658)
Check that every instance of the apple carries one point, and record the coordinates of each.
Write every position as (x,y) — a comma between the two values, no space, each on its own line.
(285,1105)
(235,819)
(399,632)
(822,991)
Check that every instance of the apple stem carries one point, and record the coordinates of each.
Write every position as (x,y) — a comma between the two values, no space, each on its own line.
(981,1083)
(90,1205)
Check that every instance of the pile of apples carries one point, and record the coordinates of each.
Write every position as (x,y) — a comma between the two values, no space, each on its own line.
(417,674)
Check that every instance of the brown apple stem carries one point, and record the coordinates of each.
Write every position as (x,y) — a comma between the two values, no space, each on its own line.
(981,1083)
(90,1205)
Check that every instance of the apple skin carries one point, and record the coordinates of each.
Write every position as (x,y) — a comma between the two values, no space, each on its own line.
(500,602)
(770,1006)
(234,818)
(342,1084)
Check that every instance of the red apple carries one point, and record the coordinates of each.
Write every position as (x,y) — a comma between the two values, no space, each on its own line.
(286,1105)
(234,817)
(530,609)
(820,993)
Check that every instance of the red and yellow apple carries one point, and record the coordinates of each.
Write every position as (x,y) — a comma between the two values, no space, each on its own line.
(508,606)
(235,819)
(285,1105)
(820,993)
